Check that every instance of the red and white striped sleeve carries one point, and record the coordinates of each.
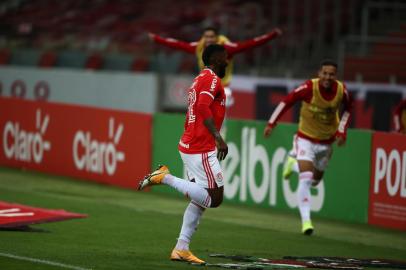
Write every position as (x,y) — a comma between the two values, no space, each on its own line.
(346,116)
(189,47)
(209,89)
(303,92)
(237,47)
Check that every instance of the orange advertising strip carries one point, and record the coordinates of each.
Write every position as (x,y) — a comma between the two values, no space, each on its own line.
(387,196)
(101,145)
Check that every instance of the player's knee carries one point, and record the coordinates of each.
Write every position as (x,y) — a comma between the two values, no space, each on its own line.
(216,196)
(216,202)
(316,182)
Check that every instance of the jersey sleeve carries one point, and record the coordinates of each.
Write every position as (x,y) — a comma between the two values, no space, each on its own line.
(303,92)
(346,116)
(209,88)
(237,47)
(189,47)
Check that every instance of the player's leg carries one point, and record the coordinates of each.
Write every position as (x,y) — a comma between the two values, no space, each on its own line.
(190,189)
(313,160)
(291,165)
(304,196)
(318,177)
(200,200)
(191,219)
(305,156)
(207,174)
(323,155)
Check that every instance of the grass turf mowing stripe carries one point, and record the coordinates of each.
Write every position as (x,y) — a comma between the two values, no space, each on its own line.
(137,230)
(34,260)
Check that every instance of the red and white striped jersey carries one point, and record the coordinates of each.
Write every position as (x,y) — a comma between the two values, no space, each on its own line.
(206,93)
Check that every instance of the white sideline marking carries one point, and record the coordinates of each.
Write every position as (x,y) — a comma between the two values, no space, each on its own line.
(62,265)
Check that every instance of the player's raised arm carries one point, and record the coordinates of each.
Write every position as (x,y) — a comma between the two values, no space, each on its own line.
(189,47)
(237,47)
(303,92)
(341,134)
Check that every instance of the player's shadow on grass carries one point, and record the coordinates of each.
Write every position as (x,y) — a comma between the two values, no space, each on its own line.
(25,228)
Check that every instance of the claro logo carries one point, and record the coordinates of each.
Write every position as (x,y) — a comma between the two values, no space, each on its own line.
(96,156)
(20,144)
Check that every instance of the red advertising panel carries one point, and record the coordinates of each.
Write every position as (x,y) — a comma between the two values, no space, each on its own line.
(16,215)
(387,196)
(103,145)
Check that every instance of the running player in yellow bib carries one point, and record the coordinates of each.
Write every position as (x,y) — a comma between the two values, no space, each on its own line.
(320,125)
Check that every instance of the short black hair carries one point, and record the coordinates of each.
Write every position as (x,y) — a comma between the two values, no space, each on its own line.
(328,62)
(209,51)
(211,28)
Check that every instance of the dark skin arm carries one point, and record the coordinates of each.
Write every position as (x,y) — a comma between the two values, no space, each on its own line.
(222,148)
(216,194)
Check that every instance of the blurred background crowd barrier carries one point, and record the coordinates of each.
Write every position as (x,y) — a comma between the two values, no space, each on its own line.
(368,38)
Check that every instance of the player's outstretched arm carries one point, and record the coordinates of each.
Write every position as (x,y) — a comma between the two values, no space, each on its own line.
(267,131)
(303,92)
(273,120)
(341,134)
(237,47)
(189,47)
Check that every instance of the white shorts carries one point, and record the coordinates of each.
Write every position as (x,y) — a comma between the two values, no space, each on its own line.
(229,96)
(317,153)
(204,169)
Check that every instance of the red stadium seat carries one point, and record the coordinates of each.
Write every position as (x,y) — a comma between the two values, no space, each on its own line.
(5,56)
(47,59)
(140,64)
(94,61)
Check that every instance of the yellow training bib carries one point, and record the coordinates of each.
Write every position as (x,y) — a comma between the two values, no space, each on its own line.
(319,119)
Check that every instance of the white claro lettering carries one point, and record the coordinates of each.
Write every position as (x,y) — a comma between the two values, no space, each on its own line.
(25,145)
(96,156)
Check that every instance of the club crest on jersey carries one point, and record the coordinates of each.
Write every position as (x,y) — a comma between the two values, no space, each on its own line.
(219,177)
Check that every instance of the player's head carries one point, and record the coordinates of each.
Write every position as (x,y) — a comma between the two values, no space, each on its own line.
(210,35)
(215,57)
(327,72)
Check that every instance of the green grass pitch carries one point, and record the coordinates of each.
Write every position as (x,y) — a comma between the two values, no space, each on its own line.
(137,230)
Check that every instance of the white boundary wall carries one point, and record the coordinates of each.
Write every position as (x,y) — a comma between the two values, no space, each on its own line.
(114,90)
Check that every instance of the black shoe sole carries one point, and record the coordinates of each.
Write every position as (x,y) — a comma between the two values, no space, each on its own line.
(308,232)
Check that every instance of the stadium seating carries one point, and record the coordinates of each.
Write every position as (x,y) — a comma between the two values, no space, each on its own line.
(5,56)
(383,63)
(26,57)
(94,61)
(117,62)
(48,59)
(112,35)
